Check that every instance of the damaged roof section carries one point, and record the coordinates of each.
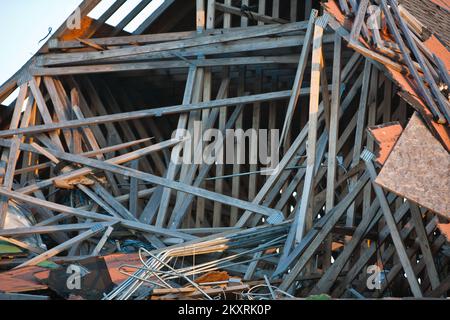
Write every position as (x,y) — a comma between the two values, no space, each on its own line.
(417,169)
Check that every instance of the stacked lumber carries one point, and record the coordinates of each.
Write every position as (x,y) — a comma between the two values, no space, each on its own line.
(125,144)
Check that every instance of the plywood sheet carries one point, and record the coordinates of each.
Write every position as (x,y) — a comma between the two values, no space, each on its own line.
(418,169)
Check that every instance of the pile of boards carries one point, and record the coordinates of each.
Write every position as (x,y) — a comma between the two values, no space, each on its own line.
(354,202)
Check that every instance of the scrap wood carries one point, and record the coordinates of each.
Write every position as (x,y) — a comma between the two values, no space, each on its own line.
(21,296)
(70,184)
(213,277)
(423,164)
(385,135)
(219,291)
(433,44)
(187,293)
(445,230)
(113,262)
(402,81)
(77,153)
(21,280)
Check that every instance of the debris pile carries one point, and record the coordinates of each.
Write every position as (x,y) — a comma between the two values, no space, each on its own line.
(245,150)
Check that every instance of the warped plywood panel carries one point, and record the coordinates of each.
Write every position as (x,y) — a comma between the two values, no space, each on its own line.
(418,169)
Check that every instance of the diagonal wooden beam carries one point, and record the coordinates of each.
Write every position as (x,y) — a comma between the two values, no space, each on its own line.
(359,134)
(396,238)
(43,109)
(316,66)
(141,227)
(311,242)
(8,180)
(422,238)
(64,246)
(303,61)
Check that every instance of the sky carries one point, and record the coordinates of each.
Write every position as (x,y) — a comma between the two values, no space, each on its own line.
(23,23)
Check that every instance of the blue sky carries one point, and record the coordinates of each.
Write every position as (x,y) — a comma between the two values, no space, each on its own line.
(24,22)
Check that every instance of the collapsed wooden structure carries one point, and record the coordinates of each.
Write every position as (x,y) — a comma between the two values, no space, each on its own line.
(356,207)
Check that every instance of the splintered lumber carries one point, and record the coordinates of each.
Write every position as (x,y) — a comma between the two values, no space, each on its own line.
(372,249)
(11,158)
(359,19)
(238,46)
(422,236)
(23,245)
(269,187)
(87,154)
(360,125)
(203,170)
(443,104)
(43,109)
(102,241)
(328,279)
(397,268)
(45,229)
(158,65)
(334,131)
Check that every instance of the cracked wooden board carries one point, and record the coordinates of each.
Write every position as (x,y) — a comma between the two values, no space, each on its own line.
(418,169)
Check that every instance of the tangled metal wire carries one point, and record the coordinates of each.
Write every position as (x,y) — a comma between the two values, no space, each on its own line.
(157,269)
